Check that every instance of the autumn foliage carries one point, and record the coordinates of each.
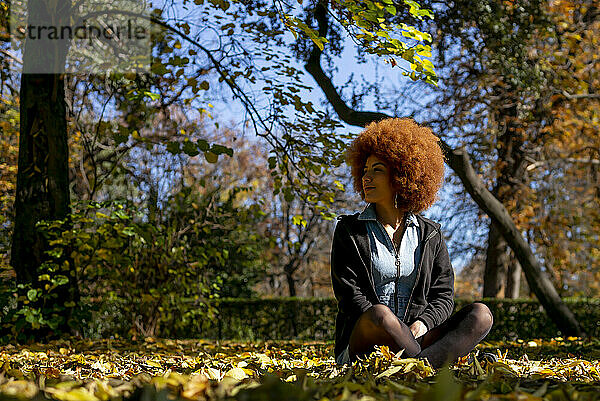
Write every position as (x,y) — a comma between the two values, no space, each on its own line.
(200,370)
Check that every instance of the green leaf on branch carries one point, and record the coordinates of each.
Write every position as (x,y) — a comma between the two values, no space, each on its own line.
(211,157)
(272,162)
(32,294)
(220,149)
(299,220)
(190,149)
(152,96)
(60,280)
(203,145)
(121,135)
(288,195)
(173,148)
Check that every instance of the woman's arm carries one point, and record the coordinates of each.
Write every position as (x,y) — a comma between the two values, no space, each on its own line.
(440,297)
(345,262)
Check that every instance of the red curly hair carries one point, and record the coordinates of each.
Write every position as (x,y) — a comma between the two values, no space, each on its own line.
(412,154)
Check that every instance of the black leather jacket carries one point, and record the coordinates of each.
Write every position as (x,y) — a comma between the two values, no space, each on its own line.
(432,297)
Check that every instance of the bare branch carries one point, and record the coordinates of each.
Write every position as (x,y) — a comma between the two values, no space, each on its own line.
(573,160)
(581,95)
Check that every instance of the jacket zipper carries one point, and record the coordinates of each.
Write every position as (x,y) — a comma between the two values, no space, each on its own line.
(396,260)
(418,274)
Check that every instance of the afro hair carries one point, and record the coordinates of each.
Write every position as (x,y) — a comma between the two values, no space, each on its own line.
(412,154)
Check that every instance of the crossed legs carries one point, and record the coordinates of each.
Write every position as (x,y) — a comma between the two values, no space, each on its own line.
(454,338)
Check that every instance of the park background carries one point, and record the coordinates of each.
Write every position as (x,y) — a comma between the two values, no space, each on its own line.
(198,199)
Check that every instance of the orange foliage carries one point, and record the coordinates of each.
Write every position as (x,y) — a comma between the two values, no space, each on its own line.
(566,210)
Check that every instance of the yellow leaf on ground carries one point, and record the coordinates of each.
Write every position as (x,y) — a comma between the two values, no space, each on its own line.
(236,373)
(76,394)
(195,387)
(22,388)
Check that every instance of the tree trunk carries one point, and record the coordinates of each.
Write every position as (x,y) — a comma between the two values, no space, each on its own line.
(510,170)
(513,280)
(496,261)
(537,279)
(42,191)
(291,283)
(460,162)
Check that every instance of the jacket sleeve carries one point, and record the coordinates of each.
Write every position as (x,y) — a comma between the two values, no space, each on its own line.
(345,261)
(440,297)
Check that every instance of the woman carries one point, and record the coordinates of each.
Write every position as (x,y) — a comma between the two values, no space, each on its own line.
(390,267)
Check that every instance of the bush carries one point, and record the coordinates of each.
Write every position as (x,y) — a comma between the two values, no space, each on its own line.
(133,272)
(314,318)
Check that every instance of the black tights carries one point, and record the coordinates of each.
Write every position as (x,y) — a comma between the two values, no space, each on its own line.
(454,338)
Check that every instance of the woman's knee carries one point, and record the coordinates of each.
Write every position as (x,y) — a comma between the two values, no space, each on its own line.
(483,316)
(371,328)
(381,316)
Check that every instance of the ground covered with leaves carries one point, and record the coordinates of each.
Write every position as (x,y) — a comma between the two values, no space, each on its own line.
(158,369)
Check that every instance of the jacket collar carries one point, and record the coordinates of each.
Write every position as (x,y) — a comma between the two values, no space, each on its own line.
(358,228)
(368,213)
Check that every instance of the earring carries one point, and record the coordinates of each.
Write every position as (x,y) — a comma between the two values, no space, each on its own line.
(396,200)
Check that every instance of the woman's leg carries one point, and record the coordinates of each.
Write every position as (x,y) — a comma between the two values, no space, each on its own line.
(379,326)
(457,336)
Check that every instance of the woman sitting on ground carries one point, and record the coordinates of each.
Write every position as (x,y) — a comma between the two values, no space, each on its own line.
(390,268)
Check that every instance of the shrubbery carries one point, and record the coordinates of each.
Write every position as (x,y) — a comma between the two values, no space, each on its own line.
(314,319)
(134,272)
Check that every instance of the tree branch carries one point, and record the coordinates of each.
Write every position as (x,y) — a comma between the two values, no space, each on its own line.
(313,66)
(573,160)
(580,95)
(9,54)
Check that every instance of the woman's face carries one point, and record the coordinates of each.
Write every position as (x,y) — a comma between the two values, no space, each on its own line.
(376,181)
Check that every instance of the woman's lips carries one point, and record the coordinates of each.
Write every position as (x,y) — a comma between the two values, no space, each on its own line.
(369,188)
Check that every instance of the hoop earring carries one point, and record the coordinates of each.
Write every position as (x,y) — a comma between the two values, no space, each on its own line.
(396,200)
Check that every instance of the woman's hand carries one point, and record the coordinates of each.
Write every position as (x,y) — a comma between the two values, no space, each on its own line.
(418,328)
